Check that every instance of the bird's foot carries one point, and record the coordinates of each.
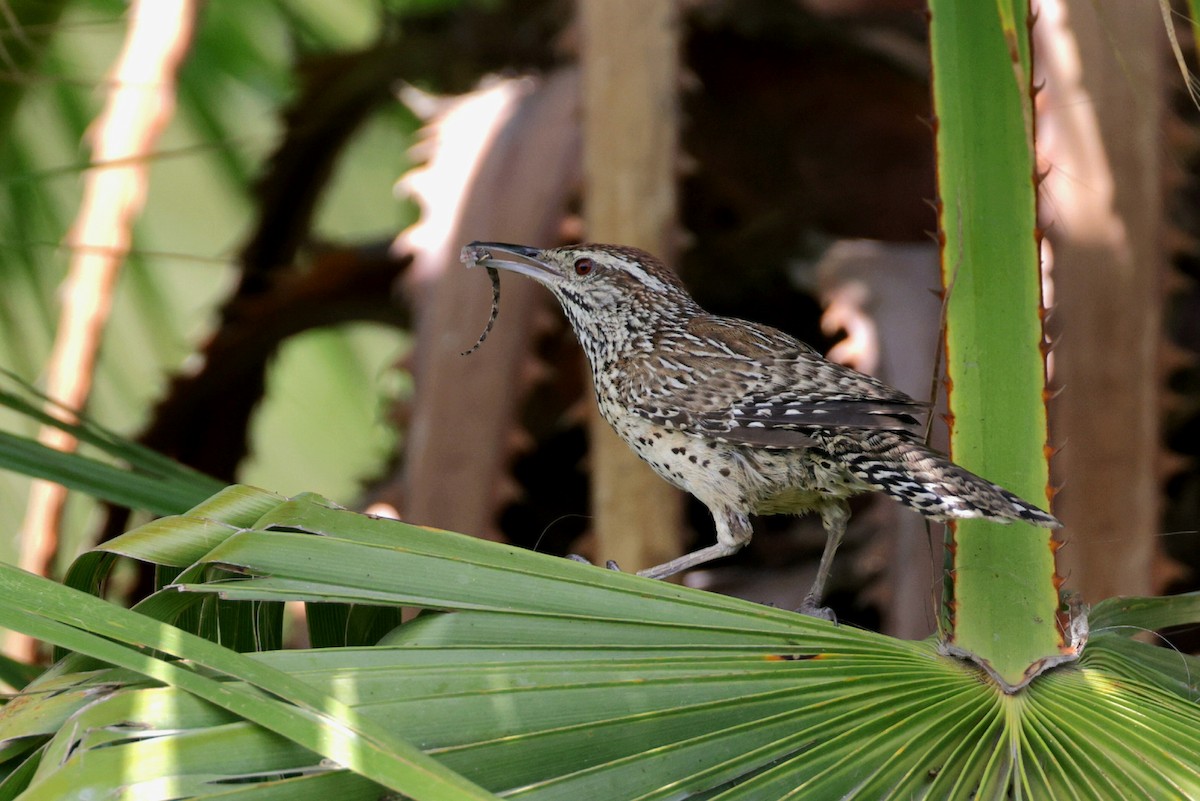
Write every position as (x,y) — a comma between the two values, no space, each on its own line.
(610,564)
(812,608)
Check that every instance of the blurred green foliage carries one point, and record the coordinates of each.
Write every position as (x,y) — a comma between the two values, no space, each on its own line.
(238,78)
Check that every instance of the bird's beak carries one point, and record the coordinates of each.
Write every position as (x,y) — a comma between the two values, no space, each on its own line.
(515,258)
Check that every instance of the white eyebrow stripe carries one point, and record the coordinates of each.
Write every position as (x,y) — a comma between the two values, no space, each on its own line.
(643,276)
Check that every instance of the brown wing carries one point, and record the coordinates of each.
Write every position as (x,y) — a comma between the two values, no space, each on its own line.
(743,382)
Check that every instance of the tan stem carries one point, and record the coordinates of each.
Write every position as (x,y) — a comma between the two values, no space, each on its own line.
(139,104)
(630,56)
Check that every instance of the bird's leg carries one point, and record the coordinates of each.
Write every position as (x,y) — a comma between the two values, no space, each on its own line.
(687,561)
(733,532)
(834,514)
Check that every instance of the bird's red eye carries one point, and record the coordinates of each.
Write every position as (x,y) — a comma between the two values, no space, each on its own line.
(584,266)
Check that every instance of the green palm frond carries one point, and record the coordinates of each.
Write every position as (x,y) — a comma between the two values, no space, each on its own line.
(535,677)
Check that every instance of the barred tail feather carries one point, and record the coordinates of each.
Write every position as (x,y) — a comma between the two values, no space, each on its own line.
(928,482)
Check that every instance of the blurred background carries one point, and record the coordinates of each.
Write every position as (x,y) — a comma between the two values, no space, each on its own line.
(230,231)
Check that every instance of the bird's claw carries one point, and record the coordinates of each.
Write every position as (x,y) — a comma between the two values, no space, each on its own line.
(610,564)
(811,608)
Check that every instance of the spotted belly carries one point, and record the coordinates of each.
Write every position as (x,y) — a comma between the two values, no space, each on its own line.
(744,478)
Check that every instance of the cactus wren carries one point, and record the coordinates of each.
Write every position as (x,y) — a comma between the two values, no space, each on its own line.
(742,416)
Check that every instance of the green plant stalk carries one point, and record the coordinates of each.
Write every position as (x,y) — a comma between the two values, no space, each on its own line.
(1005,600)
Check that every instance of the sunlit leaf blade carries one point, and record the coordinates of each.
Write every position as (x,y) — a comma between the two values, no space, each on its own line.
(1164,667)
(65,617)
(98,479)
(1119,726)
(176,541)
(553,680)
(1116,621)
(381,560)
(43,710)
(1130,616)
(151,481)
(507,629)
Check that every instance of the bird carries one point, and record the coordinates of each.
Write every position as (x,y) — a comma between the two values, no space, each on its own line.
(743,416)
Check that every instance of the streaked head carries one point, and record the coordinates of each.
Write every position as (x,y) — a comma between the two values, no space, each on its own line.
(594,283)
